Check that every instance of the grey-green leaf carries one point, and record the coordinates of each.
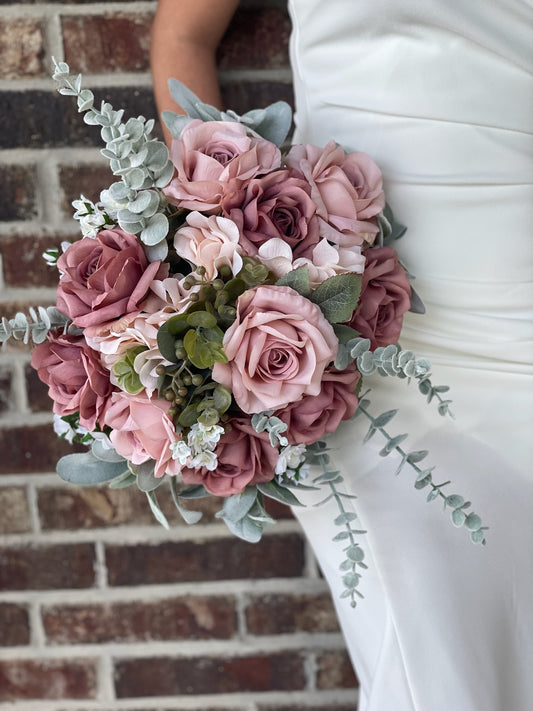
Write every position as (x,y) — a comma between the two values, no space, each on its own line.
(85,470)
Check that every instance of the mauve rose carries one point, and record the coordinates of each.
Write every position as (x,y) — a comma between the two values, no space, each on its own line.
(244,457)
(277,205)
(311,418)
(347,189)
(385,297)
(104,278)
(77,380)
(209,242)
(142,430)
(213,158)
(277,348)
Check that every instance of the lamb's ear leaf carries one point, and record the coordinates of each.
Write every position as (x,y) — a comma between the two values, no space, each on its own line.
(84,469)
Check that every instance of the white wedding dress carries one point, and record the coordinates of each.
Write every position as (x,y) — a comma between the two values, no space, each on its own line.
(440,94)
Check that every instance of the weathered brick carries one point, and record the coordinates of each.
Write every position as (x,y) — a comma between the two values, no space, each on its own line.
(23,262)
(257,38)
(220,559)
(51,120)
(175,618)
(285,614)
(14,625)
(37,391)
(40,567)
(32,449)
(54,679)
(335,671)
(6,375)
(109,42)
(15,517)
(87,180)
(167,676)
(21,48)
(70,508)
(17,197)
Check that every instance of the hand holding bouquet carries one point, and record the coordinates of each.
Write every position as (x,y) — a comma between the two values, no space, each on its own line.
(216,319)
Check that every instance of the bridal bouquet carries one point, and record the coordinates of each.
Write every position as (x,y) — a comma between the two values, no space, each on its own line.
(216,319)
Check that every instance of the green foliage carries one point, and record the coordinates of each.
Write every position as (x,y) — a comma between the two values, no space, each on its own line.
(84,469)
(337,296)
(127,377)
(262,421)
(41,321)
(298,279)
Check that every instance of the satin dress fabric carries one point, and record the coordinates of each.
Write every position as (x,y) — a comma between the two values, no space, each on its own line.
(440,94)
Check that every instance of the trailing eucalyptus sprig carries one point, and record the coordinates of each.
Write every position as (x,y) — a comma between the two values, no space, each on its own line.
(354,560)
(22,328)
(141,162)
(424,476)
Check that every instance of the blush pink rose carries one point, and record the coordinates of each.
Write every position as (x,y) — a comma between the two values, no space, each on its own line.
(77,380)
(347,189)
(385,297)
(104,278)
(244,457)
(277,348)
(209,242)
(277,205)
(215,157)
(142,430)
(310,418)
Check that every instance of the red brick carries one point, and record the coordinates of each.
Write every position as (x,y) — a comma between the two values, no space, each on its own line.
(18,196)
(37,679)
(62,508)
(47,567)
(23,263)
(167,676)
(15,516)
(335,671)
(14,625)
(5,388)
(21,48)
(286,614)
(88,180)
(37,391)
(257,38)
(176,618)
(220,559)
(32,449)
(117,42)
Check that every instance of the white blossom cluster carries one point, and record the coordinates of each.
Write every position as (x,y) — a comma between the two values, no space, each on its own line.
(198,451)
(291,463)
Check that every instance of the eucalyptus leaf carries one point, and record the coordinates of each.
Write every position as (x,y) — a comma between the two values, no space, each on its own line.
(345,517)
(85,470)
(159,515)
(355,553)
(278,492)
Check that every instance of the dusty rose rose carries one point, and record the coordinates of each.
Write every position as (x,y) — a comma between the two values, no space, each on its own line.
(347,189)
(385,297)
(277,205)
(77,380)
(210,242)
(277,348)
(311,418)
(214,157)
(244,457)
(142,430)
(104,277)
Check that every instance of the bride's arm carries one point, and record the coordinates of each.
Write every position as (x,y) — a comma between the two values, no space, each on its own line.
(184,39)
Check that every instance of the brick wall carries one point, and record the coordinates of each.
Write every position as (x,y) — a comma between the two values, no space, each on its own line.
(100,608)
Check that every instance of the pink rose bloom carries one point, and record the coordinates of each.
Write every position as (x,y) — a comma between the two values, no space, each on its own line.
(210,242)
(347,189)
(77,380)
(214,157)
(277,348)
(244,457)
(104,277)
(311,418)
(277,205)
(385,297)
(142,430)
